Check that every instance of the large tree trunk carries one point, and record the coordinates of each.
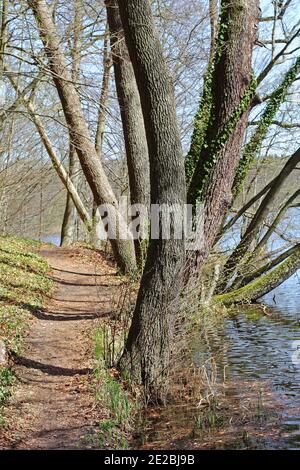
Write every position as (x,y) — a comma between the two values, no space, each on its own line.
(215,151)
(132,119)
(147,352)
(122,246)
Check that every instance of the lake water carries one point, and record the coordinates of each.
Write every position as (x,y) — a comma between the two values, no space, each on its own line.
(55,239)
(253,346)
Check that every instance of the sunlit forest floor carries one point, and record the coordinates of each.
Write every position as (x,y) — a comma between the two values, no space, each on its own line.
(52,403)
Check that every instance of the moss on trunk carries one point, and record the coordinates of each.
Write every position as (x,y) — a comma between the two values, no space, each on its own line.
(264,284)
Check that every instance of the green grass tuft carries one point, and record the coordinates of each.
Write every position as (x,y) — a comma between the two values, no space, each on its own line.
(119,406)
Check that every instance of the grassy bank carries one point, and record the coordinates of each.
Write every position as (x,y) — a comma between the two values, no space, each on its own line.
(23,286)
(117,403)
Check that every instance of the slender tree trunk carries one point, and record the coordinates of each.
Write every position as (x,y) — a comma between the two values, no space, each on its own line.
(241,253)
(266,283)
(132,119)
(263,242)
(58,166)
(147,353)
(3,34)
(252,147)
(213,19)
(122,245)
(95,241)
(245,207)
(68,223)
(257,273)
(245,275)
(107,62)
(69,219)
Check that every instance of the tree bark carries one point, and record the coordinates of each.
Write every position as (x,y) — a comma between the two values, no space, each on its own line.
(232,89)
(231,93)
(147,352)
(132,119)
(202,117)
(122,245)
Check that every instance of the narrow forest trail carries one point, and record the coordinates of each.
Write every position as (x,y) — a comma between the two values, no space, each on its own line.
(52,405)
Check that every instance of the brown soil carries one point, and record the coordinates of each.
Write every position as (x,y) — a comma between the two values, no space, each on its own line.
(52,406)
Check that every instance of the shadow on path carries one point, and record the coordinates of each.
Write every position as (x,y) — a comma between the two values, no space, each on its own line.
(81,274)
(48,368)
(68,316)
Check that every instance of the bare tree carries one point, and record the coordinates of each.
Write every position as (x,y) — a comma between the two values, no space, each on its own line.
(123,248)
(132,118)
(68,223)
(147,352)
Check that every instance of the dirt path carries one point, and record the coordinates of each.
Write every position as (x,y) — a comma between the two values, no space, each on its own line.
(52,406)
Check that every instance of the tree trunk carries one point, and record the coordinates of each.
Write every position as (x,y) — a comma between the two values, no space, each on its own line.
(3,34)
(264,284)
(103,96)
(58,166)
(132,119)
(232,88)
(245,207)
(257,273)
(94,240)
(213,19)
(68,223)
(147,352)
(201,120)
(263,242)
(122,245)
(69,219)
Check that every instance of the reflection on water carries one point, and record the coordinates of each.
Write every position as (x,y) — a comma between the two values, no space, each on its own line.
(260,347)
